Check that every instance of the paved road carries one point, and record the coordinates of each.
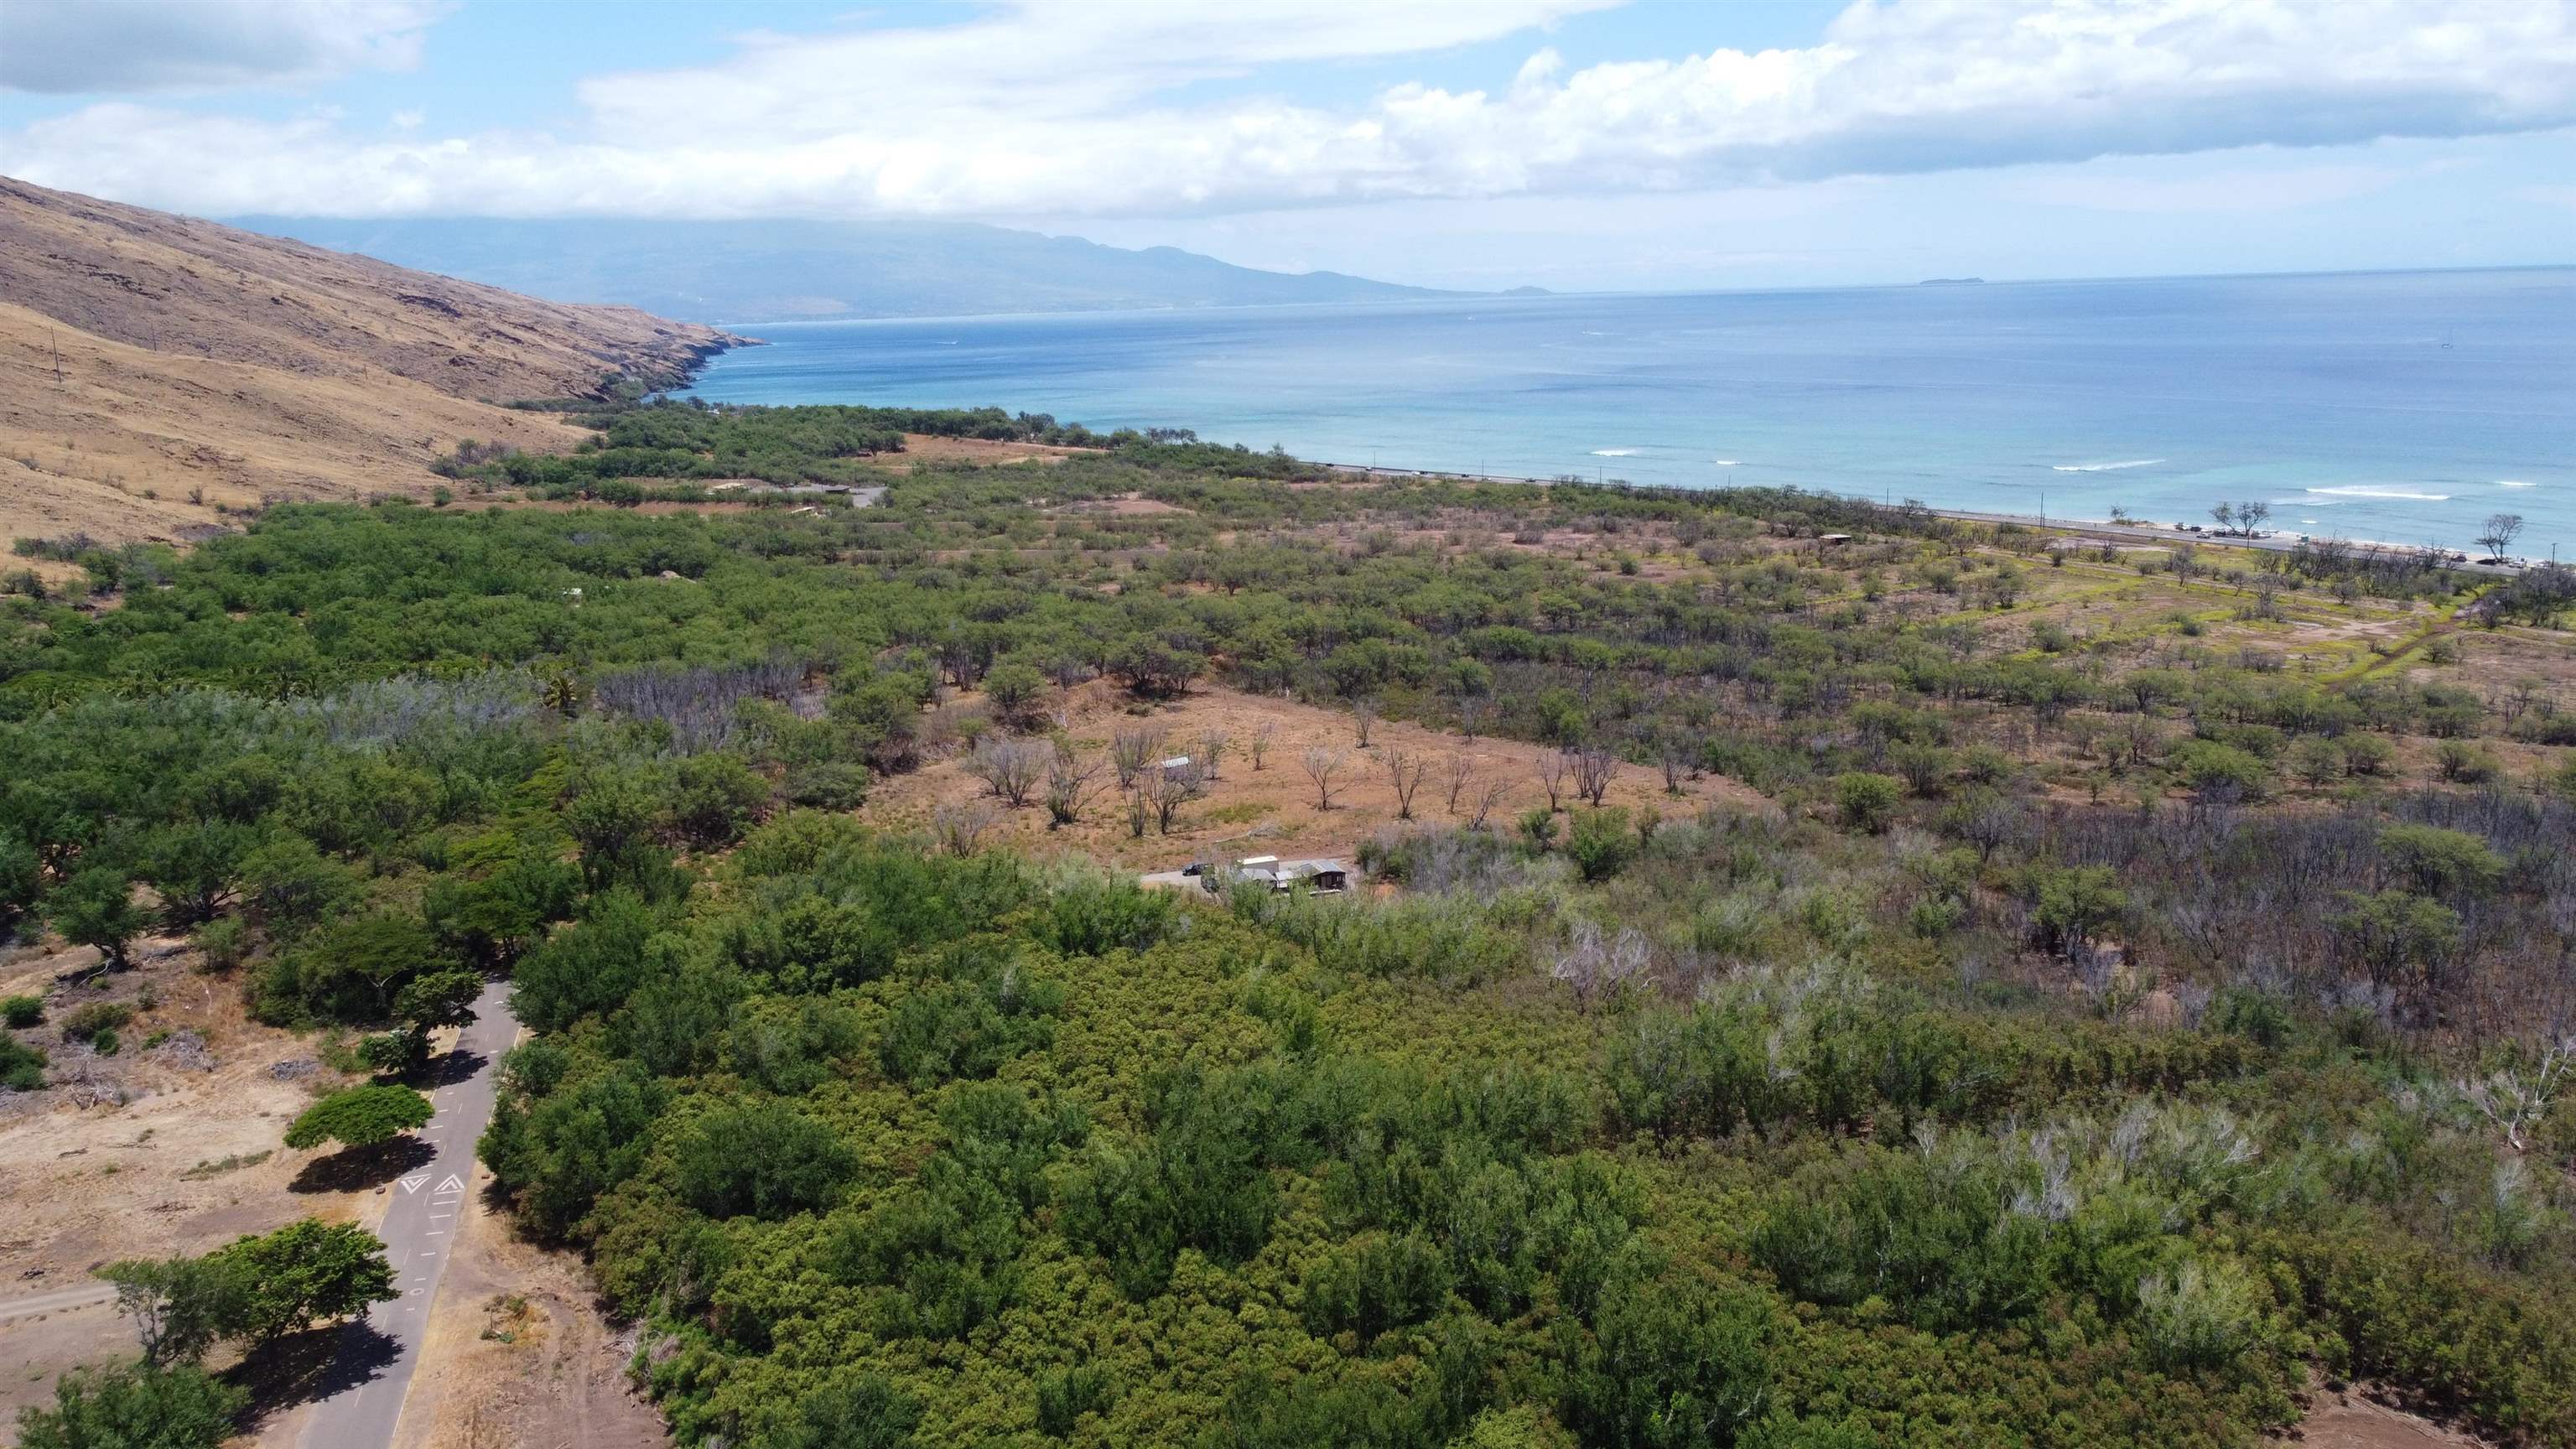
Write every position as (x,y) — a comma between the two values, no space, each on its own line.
(2282,541)
(375,1366)
(61,1298)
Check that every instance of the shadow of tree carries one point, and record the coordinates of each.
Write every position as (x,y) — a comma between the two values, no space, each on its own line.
(447,1070)
(354,1168)
(304,1367)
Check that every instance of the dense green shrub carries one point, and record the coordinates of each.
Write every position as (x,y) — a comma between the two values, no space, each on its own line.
(134,1408)
(87,1022)
(766,1160)
(22,1067)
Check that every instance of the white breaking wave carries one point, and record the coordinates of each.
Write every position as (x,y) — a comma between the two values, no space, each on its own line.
(2514,483)
(1614,452)
(1725,462)
(2366,490)
(2103,467)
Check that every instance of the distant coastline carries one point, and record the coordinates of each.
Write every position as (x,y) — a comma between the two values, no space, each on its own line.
(2021,400)
(2143,530)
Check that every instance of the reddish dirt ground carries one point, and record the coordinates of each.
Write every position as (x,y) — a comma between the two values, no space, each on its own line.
(518,1355)
(189,1160)
(1270,811)
(2353,1419)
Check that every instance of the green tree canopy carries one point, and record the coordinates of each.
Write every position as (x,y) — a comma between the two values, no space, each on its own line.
(302,1274)
(359,1117)
(134,1407)
(180,1306)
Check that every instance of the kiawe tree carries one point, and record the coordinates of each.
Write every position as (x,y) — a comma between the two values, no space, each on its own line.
(96,908)
(304,1273)
(2498,533)
(180,1306)
(359,1117)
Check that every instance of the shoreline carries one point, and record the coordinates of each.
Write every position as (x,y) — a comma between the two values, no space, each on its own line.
(2141,530)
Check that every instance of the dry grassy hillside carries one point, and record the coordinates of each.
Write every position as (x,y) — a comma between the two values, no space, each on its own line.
(152,366)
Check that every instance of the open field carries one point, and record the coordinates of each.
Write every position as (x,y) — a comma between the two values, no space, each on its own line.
(1271,810)
(176,1152)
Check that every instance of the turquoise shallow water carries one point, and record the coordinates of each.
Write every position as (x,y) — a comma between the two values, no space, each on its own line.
(2404,407)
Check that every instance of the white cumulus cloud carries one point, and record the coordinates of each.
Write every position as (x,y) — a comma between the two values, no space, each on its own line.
(1038,108)
(68,47)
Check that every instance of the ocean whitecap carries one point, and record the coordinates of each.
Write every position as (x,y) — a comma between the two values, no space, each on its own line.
(1614,452)
(2514,483)
(1725,462)
(2372,490)
(2104,467)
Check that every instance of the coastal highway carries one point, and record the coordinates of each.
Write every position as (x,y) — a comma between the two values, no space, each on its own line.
(2276,542)
(2158,534)
(373,1372)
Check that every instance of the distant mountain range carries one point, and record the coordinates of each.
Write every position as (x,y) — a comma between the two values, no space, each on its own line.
(768,271)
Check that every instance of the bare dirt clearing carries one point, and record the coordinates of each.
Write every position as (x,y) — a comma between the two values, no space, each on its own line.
(189,1161)
(1272,810)
(922,449)
(2352,1420)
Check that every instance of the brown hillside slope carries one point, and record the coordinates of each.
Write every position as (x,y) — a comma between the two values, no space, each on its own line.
(200,362)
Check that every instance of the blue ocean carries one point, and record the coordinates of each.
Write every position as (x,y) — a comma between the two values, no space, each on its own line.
(2398,407)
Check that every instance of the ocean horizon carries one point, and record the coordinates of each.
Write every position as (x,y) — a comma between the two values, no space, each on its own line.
(2400,407)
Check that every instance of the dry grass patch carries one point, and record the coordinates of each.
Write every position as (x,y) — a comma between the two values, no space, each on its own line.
(1272,810)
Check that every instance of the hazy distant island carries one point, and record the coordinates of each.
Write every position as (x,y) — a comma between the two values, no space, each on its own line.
(772,271)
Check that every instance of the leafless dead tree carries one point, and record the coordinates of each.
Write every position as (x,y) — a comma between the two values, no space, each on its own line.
(1471,717)
(1262,739)
(1595,766)
(1487,796)
(2516,1098)
(1167,791)
(1321,766)
(1140,813)
(1011,769)
(959,827)
(1072,784)
(1596,968)
(1551,777)
(1363,719)
(1211,748)
(1675,756)
(1131,750)
(1454,778)
(1406,772)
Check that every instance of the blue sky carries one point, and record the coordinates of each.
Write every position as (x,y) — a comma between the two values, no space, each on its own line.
(1569,143)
